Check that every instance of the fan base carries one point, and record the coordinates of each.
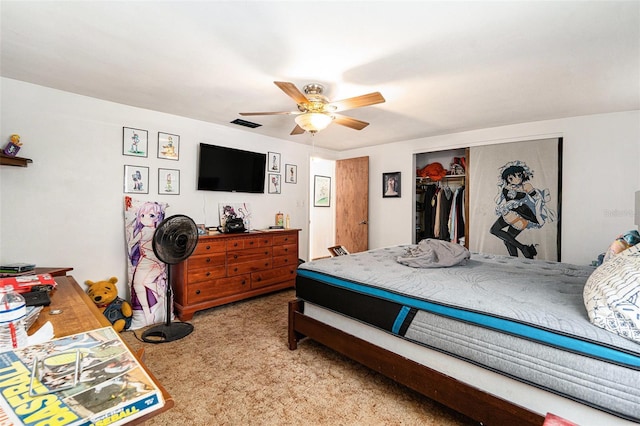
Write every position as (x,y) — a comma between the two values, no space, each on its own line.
(167,332)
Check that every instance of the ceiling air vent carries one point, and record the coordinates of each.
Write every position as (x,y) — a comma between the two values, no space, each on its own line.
(245,123)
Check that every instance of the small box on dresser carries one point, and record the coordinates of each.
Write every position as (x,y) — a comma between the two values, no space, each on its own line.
(226,268)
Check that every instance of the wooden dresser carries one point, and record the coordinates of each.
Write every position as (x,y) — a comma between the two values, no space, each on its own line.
(225,268)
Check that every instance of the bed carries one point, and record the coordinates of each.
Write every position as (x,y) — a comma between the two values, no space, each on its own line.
(503,340)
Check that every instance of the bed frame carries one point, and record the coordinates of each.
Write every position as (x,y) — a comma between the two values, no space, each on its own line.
(468,400)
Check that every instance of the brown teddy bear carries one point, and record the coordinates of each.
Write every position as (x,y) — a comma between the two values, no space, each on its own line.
(105,295)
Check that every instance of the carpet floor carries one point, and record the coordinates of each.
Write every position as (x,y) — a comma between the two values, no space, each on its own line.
(236,369)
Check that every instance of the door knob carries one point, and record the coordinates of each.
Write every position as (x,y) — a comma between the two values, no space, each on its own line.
(364,222)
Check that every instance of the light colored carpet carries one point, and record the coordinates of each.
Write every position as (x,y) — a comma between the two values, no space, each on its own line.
(236,369)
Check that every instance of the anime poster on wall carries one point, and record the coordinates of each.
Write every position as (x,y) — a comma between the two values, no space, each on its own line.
(228,211)
(514,199)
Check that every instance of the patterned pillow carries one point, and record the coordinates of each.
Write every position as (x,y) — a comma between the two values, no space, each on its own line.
(612,294)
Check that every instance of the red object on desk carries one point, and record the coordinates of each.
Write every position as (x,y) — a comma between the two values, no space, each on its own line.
(25,283)
(553,420)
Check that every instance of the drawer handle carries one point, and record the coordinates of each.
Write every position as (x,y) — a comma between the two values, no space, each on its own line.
(235,269)
(235,244)
(286,250)
(208,259)
(208,247)
(266,263)
(286,239)
(286,261)
(208,273)
(235,256)
(244,282)
(251,243)
(259,279)
(197,291)
(266,241)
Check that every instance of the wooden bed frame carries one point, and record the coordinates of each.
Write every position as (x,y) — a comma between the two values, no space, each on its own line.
(468,400)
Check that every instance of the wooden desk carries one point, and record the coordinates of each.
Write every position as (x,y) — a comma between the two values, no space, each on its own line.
(54,272)
(80,314)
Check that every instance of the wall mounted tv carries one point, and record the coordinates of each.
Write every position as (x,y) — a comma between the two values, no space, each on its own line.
(228,169)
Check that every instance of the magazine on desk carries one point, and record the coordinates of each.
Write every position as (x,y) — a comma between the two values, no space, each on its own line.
(90,378)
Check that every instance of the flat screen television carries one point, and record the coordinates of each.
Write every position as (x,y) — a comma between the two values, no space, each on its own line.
(228,169)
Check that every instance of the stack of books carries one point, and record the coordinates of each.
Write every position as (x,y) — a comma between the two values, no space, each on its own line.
(89,378)
(16,269)
(27,283)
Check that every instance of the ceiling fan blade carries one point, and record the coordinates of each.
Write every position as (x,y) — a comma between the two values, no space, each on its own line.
(292,91)
(349,122)
(297,130)
(357,102)
(270,113)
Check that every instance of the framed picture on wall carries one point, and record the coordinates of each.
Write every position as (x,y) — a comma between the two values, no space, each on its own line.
(168,146)
(169,181)
(274,183)
(273,162)
(136,179)
(135,142)
(322,191)
(290,173)
(391,185)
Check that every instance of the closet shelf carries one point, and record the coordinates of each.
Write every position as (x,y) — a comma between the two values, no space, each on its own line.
(447,177)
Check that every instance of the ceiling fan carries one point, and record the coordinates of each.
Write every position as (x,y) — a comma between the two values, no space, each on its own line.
(316,112)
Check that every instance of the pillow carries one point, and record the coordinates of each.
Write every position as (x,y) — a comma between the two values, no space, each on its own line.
(612,294)
(623,242)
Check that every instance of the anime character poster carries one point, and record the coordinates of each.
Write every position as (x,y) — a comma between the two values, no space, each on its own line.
(235,210)
(514,199)
(146,273)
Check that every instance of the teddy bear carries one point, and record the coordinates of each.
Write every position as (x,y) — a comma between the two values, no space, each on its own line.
(105,295)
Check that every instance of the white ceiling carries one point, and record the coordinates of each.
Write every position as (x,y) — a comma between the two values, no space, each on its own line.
(443,67)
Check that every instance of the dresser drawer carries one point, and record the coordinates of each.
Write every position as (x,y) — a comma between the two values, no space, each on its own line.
(246,267)
(214,259)
(206,291)
(291,259)
(273,276)
(285,250)
(206,274)
(288,238)
(249,254)
(210,246)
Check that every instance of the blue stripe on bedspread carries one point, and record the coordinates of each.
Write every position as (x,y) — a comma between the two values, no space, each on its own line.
(501,324)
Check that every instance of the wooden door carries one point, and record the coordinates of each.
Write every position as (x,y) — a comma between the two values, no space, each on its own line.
(352,204)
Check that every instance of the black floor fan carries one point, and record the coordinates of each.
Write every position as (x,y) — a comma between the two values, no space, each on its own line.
(173,242)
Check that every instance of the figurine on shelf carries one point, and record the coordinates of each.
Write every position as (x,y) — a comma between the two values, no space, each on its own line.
(13,146)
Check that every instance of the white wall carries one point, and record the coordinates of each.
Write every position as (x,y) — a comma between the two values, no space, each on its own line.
(322,223)
(66,208)
(601,173)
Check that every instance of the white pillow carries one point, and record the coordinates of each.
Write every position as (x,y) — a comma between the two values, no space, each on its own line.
(612,294)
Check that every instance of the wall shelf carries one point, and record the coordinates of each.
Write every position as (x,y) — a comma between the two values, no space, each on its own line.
(6,160)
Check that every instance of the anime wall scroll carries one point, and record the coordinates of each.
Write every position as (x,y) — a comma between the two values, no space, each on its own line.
(147,274)
(514,199)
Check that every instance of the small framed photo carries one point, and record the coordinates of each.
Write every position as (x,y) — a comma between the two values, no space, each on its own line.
(135,142)
(168,146)
(169,181)
(202,230)
(274,183)
(290,173)
(322,191)
(136,179)
(273,162)
(391,185)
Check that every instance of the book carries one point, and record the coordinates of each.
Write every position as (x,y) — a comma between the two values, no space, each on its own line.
(27,283)
(17,267)
(90,378)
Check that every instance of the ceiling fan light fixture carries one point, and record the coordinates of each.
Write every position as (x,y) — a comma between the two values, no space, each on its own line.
(313,122)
